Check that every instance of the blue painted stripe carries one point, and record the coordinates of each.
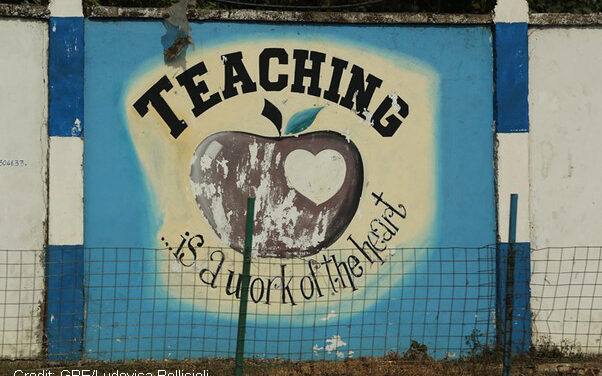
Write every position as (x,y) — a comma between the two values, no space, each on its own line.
(511,77)
(521,313)
(65,309)
(66,76)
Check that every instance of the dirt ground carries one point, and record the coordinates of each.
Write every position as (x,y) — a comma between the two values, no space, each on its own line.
(351,367)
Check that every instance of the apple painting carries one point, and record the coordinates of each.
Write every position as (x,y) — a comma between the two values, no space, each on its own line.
(307,187)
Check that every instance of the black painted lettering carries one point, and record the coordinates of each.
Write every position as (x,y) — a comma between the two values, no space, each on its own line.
(235,72)
(264,69)
(313,73)
(361,90)
(311,285)
(345,267)
(153,98)
(363,249)
(229,284)
(313,276)
(196,90)
(286,289)
(260,291)
(332,281)
(354,263)
(392,121)
(338,66)
(214,274)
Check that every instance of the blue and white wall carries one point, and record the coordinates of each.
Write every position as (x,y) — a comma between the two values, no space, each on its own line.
(512,111)
(512,161)
(65,300)
(535,135)
(138,193)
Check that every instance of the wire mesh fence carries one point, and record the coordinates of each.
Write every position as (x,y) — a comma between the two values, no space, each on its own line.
(566,288)
(160,306)
(183,302)
(21,303)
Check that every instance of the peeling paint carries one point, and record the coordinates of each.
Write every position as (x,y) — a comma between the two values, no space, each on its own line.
(253,154)
(177,19)
(330,315)
(285,200)
(396,107)
(332,345)
(367,118)
(76,130)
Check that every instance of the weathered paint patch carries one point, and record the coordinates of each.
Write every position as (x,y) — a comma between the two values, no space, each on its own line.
(294,215)
(331,315)
(332,344)
(511,77)
(66,76)
(65,302)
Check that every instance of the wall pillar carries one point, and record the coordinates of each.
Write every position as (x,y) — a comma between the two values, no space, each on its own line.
(512,141)
(65,310)
(23,188)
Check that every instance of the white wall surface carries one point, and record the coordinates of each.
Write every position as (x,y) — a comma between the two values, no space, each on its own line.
(511,11)
(565,99)
(513,177)
(66,190)
(23,138)
(65,8)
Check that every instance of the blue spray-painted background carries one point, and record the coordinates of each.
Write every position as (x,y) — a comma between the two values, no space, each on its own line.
(137,322)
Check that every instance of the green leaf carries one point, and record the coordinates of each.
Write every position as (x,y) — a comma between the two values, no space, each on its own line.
(302,120)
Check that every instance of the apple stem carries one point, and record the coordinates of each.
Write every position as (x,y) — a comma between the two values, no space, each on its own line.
(273,114)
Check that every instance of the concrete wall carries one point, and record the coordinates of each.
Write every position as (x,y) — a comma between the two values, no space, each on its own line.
(140,191)
(23,156)
(150,184)
(565,98)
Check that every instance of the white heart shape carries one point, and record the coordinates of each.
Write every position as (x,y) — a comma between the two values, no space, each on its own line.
(317,177)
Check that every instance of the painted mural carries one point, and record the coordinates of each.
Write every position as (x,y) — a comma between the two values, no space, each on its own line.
(359,144)
(256,122)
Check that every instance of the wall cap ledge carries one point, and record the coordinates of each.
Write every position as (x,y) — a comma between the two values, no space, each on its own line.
(24,11)
(246,15)
(565,19)
(243,15)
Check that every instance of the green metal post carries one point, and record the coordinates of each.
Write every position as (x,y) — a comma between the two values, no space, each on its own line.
(244,293)
(510,286)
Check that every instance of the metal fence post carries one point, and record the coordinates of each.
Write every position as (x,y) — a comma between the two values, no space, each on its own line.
(510,286)
(244,293)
